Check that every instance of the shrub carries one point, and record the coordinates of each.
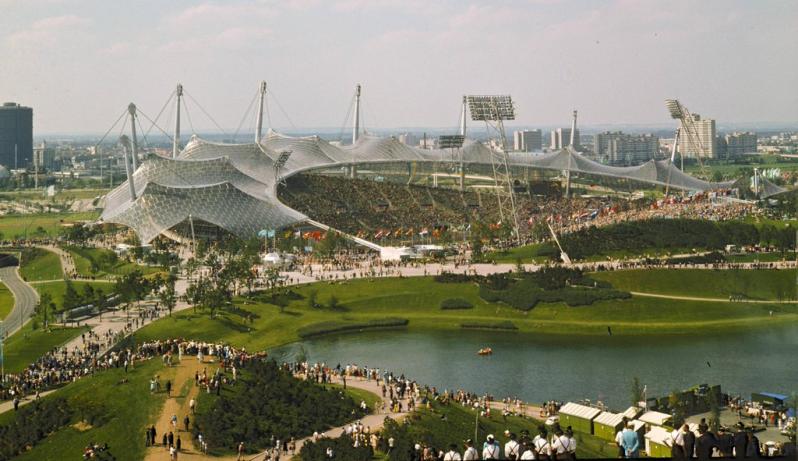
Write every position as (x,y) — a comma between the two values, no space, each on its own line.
(31,424)
(499,325)
(456,303)
(268,402)
(323,328)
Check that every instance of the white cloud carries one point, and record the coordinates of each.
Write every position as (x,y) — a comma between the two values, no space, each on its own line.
(47,31)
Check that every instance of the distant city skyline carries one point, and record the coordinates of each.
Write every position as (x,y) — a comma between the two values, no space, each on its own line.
(78,63)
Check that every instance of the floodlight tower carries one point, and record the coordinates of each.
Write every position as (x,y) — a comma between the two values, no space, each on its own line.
(463,117)
(131,108)
(494,110)
(454,142)
(176,141)
(259,123)
(688,128)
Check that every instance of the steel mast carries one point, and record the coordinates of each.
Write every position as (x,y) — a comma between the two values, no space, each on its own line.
(259,123)
(176,142)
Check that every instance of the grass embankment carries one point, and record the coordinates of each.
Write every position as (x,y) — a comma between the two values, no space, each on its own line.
(441,425)
(121,412)
(19,226)
(103,263)
(6,301)
(39,264)
(57,289)
(703,283)
(27,345)
(418,299)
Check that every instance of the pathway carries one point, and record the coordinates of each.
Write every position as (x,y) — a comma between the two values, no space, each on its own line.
(25,300)
(178,404)
(713,300)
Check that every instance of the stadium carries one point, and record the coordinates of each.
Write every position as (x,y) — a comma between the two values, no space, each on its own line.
(242,189)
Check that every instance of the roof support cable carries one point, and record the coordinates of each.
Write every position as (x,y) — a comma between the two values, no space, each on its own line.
(246,115)
(202,109)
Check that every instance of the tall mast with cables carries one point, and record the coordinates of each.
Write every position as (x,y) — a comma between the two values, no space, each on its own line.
(571,143)
(356,119)
(125,142)
(176,143)
(259,124)
(131,108)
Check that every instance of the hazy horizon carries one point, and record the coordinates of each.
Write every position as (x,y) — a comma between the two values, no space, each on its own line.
(81,62)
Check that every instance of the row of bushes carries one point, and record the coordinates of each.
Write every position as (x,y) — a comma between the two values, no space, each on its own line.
(323,328)
(31,424)
(498,325)
(268,403)
(525,296)
(667,234)
(456,303)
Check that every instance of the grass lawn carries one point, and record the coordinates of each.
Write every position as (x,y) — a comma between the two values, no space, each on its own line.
(6,301)
(103,263)
(441,425)
(19,225)
(27,345)
(418,299)
(39,264)
(753,284)
(125,408)
(57,289)
(527,253)
(761,257)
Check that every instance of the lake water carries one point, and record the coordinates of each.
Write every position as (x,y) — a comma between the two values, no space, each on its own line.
(570,368)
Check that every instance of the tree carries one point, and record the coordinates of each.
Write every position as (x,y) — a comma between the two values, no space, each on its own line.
(312,298)
(272,280)
(71,296)
(167,295)
(677,412)
(45,303)
(636,391)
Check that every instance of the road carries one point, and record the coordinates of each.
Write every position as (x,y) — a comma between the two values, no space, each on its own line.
(25,300)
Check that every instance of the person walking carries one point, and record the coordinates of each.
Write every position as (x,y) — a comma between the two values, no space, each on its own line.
(512,449)
(630,441)
(470,453)
(740,441)
(491,448)
(185,422)
(705,443)
(676,443)
(452,454)
(240,451)
(689,442)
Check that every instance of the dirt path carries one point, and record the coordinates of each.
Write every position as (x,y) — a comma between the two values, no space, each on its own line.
(183,390)
(712,300)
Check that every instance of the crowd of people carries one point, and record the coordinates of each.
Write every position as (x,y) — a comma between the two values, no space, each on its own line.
(63,365)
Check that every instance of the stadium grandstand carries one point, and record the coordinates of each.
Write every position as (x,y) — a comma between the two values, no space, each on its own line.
(234,186)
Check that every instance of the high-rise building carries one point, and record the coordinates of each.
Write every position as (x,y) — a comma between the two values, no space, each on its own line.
(620,149)
(561,137)
(527,141)
(16,135)
(739,143)
(408,138)
(706,144)
(43,156)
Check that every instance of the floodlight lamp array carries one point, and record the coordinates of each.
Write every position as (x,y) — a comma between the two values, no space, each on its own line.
(282,159)
(491,107)
(675,108)
(450,141)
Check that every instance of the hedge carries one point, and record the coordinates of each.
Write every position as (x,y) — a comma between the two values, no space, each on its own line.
(456,303)
(268,403)
(342,448)
(33,423)
(501,325)
(323,328)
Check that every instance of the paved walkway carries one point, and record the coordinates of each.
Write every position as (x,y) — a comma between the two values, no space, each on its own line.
(25,300)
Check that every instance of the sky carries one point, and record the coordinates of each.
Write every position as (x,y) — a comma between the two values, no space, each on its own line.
(79,63)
